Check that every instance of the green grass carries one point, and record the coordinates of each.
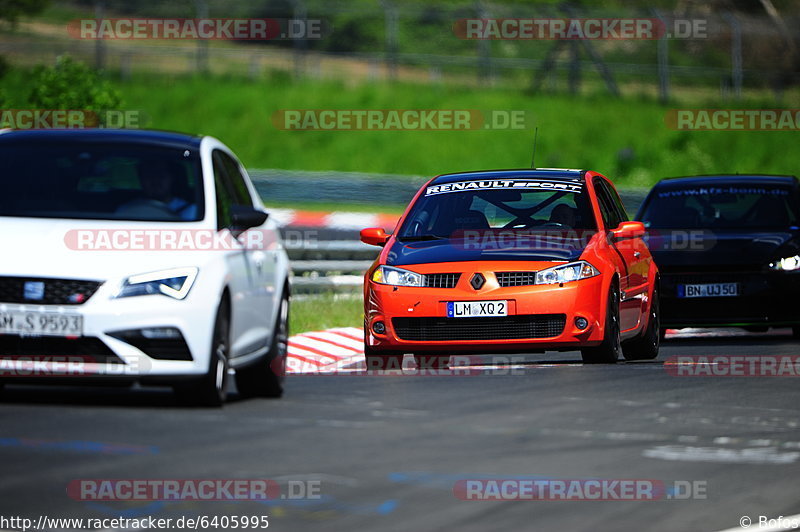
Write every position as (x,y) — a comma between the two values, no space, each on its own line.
(625,139)
(325,311)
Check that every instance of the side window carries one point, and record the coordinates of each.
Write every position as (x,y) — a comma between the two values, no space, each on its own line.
(238,187)
(622,214)
(224,200)
(611,217)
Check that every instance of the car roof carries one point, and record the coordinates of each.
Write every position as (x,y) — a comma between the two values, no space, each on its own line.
(559,174)
(133,136)
(707,180)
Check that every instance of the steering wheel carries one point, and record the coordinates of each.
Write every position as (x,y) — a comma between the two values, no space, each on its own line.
(520,223)
(555,224)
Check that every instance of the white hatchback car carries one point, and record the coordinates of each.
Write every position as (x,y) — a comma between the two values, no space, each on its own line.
(138,256)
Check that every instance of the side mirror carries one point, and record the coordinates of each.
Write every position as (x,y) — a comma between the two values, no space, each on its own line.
(374,236)
(244,217)
(629,230)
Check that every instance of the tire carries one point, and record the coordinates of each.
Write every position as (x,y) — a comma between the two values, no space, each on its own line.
(212,388)
(382,361)
(265,377)
(609,350)
(432,361)
(646,346)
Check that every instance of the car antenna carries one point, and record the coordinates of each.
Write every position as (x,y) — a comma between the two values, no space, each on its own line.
(533,157)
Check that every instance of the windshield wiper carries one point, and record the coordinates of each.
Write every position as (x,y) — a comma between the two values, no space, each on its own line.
(421,238)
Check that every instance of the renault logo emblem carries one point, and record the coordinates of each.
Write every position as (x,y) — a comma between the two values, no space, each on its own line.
(477,281)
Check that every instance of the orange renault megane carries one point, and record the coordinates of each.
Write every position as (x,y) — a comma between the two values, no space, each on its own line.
(511,261)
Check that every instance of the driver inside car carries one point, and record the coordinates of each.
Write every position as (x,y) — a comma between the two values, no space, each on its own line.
(158,181)
(563,214)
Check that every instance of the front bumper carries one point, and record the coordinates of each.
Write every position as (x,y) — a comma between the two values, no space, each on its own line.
(766,299)
(99,354)
(541,317)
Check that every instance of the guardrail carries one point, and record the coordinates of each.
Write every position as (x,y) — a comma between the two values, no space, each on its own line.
(329,266)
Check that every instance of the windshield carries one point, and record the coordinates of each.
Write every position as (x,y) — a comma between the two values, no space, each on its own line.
(446,211)
(100,181)
(740,206)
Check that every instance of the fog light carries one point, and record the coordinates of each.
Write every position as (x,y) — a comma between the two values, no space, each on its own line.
(581,323)
(379,327)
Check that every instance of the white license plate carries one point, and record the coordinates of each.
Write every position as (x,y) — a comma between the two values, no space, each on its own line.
(708,290)
(472,309)
(41,323)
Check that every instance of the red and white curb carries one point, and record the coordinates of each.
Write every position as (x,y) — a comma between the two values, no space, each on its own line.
(719,333)
(325,351)
(332,220)
(342,349)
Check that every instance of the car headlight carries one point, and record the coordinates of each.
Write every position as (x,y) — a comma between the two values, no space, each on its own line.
(566,273)
(786,264)
(396,277)
(174,283)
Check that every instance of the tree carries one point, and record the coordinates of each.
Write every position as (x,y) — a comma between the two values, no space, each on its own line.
(11,10)
(71,84)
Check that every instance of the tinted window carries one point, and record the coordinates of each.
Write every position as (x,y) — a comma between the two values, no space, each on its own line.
(112,181)
(443,214)
(724,206)
(236,184)
(224,199)
(612,211)
(619,207)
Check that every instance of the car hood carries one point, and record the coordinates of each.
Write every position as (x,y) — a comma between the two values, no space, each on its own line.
(702,248)
(508,248)
(41,248)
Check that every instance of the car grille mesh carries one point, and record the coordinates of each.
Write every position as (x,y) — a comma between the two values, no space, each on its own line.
(498,328)
(506,279)
(84,349)
(441,280)
(56,291)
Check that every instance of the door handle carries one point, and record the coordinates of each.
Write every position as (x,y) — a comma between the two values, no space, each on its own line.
(636,254)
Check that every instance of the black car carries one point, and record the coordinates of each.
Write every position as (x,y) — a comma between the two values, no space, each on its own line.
(728,248)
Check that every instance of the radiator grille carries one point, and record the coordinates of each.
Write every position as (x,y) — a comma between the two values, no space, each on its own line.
(85,348)
(500,328)
(56,291)
(506,279)
(441,280)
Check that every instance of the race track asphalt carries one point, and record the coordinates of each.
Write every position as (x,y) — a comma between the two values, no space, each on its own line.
(385,452)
